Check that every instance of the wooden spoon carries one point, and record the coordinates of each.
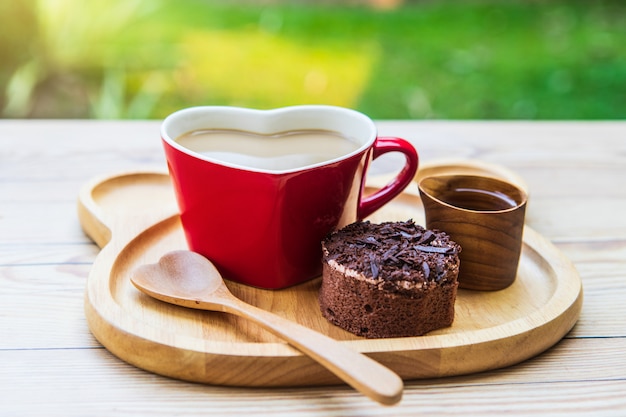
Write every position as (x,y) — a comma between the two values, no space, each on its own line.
(190,280)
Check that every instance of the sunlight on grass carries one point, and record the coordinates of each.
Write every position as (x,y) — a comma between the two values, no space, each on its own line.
(278,71)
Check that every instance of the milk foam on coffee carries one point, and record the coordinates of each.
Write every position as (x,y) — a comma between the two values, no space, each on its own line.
(276,152)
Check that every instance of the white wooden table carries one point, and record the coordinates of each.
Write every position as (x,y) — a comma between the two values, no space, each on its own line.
(51,365)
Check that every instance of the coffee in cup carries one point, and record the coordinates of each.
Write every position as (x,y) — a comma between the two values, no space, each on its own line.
(275,152)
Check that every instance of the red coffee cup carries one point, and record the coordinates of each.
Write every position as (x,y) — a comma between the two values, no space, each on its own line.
(261,224)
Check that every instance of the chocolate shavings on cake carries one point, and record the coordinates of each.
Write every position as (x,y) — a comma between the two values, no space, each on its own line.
(392,251)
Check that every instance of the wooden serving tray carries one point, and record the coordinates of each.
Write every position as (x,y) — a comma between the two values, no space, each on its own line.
(133,217)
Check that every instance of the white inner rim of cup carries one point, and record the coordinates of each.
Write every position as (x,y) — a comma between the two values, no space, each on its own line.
(347,122)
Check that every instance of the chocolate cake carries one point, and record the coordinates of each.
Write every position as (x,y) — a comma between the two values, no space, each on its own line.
(392,279)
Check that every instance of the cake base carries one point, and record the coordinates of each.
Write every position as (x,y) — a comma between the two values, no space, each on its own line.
(360,307)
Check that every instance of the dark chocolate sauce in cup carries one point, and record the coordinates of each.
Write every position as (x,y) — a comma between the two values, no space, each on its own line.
(478,199)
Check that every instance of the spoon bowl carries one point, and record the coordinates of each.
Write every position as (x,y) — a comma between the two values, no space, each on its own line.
(190,280)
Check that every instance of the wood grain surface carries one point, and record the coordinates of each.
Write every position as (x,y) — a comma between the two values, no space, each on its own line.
(52,365)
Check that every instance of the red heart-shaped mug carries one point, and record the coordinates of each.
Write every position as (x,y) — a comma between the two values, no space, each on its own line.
(258,190)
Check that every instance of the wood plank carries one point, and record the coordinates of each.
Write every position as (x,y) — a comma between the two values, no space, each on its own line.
(604,398)
(53,253)
(95,383)
(601,265)
(22,223)
(41,306)
(54,275)
(23,218)
(520,146)
(571,219)
(553,157)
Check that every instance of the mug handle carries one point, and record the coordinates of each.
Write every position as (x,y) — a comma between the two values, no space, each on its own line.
(383,145)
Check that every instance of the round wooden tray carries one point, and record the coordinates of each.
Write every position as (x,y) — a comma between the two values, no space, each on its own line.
(132,216)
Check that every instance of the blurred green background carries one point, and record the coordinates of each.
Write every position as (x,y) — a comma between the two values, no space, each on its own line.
(391,59)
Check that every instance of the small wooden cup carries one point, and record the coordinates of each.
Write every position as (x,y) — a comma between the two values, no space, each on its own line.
(486,217)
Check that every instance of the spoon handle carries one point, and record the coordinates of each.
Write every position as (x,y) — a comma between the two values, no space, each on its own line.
(357,370)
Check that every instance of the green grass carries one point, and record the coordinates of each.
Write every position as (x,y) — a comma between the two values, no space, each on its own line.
(423,60)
